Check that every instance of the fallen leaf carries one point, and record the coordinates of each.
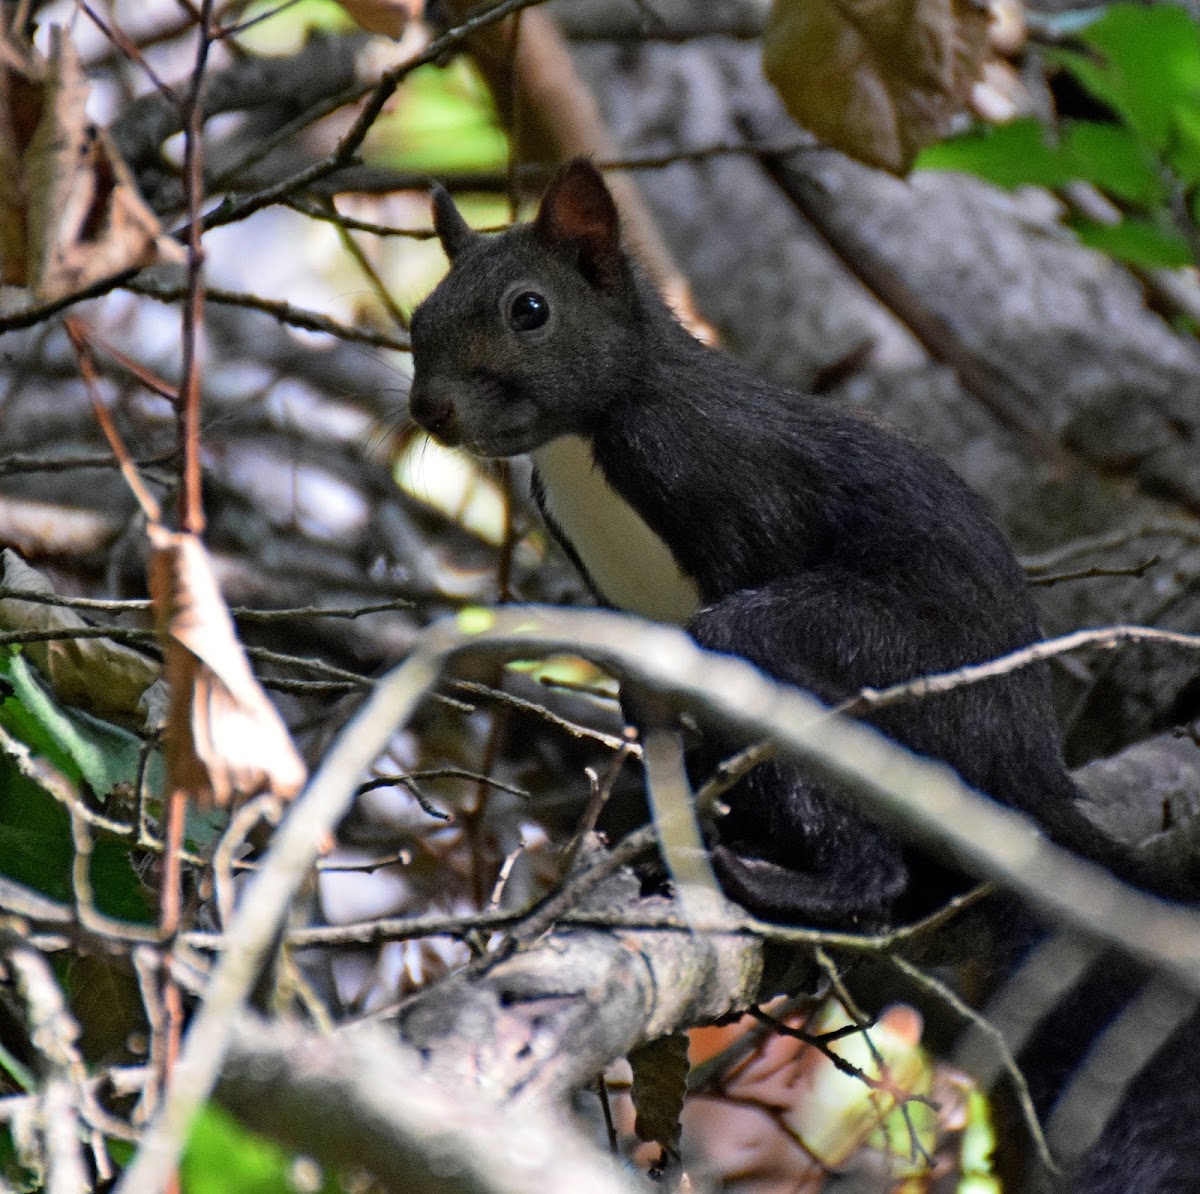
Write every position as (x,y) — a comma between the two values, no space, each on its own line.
(97,674)
(388,17)
(660,1070)
(877,81)
(70,213)
(225,741)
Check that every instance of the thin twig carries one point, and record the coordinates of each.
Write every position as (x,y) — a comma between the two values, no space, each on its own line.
(241,26)
(152,382)
(129,49)
(497,896)
(118,634)
(191,509)
(904,1099)
(78,333)
(328,213)
(969,1015)
(601,789)
(1136,570)
(730,772)
(1105,639)
(265,807)
(241,612)
(821,1042)
(1188,532)
(147,965)
(571,727)
(280,309)
(20,462)
(346,237)
(449,773)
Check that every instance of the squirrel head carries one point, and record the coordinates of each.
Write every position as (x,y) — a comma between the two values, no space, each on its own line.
(528,336)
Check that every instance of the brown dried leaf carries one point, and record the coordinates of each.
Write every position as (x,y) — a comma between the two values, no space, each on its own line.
(876,79)
(103,677)
(388,17)
(21,93)
(70,214)
(225,741)
(660,1070)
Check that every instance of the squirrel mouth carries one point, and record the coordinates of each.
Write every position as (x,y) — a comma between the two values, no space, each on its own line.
(442,426)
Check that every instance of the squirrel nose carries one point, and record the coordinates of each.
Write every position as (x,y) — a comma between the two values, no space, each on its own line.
(431,410)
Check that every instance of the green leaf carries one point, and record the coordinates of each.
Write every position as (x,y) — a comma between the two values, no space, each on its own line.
(1136,241)
(1185,156)
(444,121)
(35,835)
(36,849)
(119,891)
(1144,63)
(222,1157)
(287,27)
(1009,155)
(82,747)
(1021,154)
(13,1175)
(1114,159)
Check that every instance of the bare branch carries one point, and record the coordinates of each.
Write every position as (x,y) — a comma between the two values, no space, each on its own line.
(285,312)
(1105,639)
(361,1100)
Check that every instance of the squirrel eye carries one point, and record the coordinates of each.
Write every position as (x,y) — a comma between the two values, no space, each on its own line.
(528,312)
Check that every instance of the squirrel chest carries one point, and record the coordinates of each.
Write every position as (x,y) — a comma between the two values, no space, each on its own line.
(627,564)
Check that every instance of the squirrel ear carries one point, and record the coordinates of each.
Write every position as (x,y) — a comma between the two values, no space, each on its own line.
(578,213)
(452,230)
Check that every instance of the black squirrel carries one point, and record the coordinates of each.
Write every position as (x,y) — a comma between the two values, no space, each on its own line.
(826,548)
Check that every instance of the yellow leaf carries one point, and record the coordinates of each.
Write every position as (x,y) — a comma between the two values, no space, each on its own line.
(876,80)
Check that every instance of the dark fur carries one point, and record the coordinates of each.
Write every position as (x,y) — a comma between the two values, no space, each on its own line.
(829,550)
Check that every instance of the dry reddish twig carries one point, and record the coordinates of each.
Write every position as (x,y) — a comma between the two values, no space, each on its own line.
(191,510)
(224,739)
(128,48)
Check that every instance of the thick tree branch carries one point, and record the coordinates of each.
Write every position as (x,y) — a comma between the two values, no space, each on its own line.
(360,1100)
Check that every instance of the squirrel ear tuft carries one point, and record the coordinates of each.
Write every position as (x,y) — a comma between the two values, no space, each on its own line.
(452,230)
(578,213)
